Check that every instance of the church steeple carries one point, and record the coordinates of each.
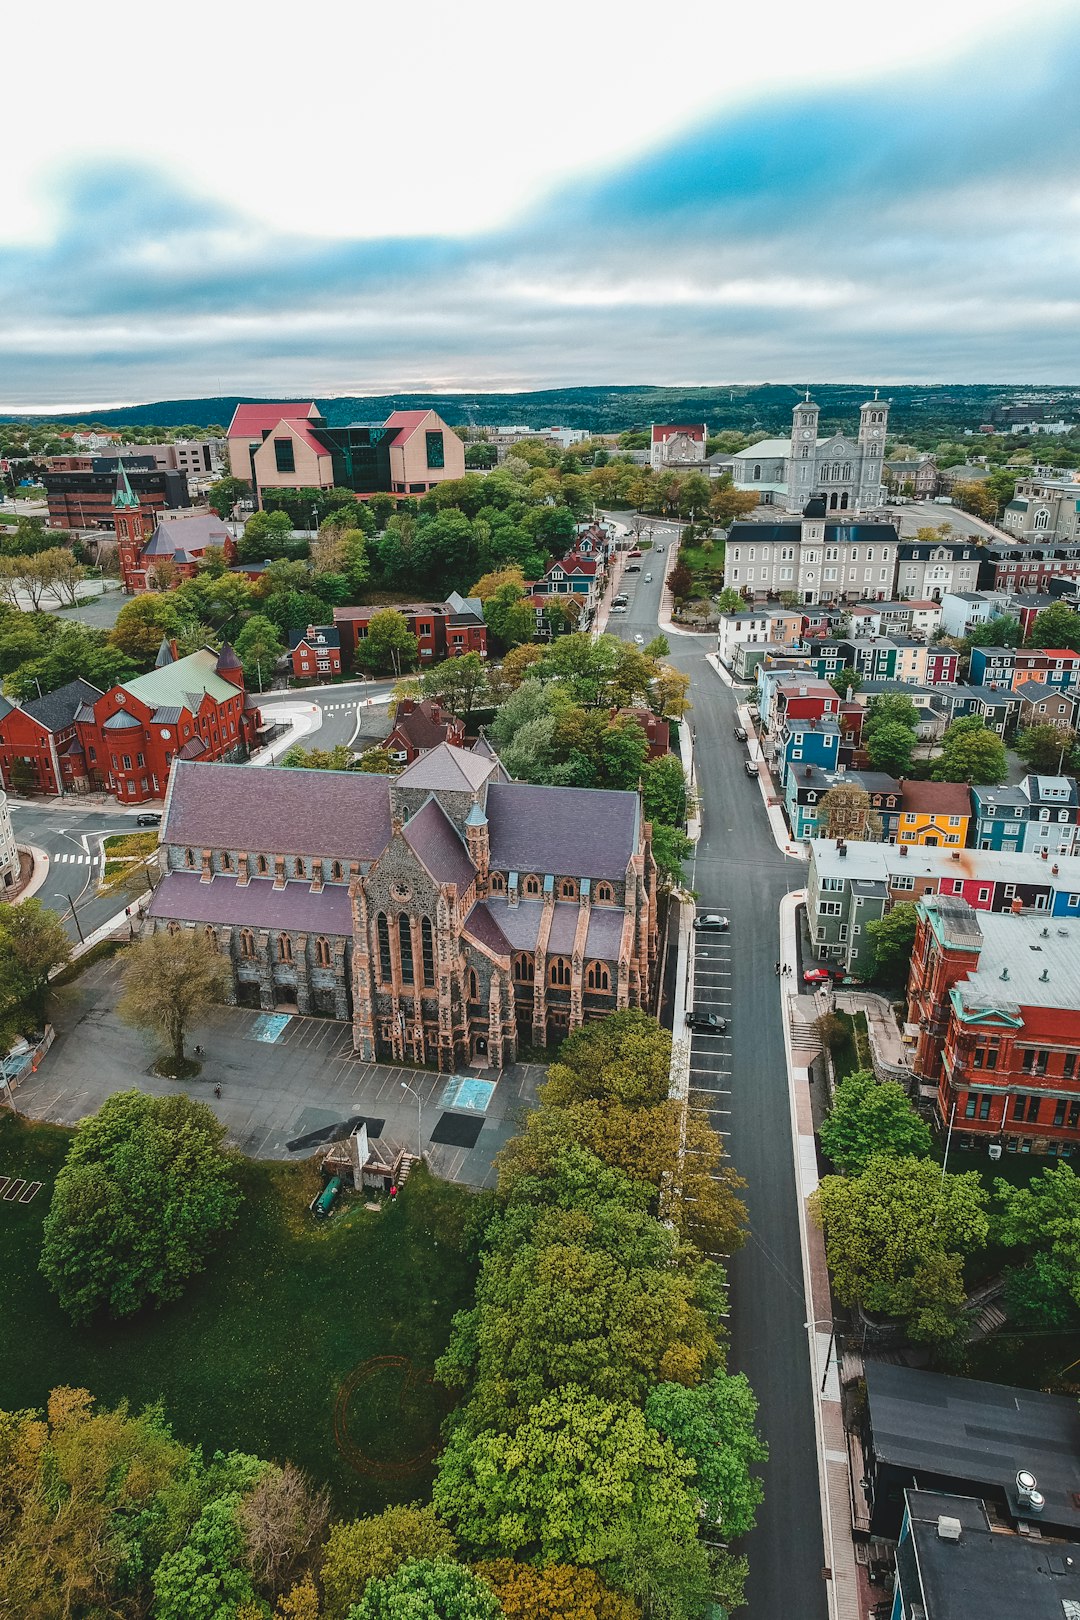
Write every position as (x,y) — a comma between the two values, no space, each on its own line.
(125,498)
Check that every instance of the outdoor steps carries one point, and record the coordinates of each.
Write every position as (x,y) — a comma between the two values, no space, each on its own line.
(404,1169)
(988,1319)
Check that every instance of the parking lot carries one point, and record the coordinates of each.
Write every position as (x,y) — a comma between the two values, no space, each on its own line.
(710,1050)
(289,1084)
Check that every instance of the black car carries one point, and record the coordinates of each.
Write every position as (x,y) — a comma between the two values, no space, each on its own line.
(633,568)
(750,767)
(711,922)
(706,1021)
(148,819)
(740,733)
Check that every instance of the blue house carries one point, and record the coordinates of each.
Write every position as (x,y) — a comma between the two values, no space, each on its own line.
(807,742)
(1041,816)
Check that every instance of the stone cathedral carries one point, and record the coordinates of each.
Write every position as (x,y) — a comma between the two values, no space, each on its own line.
(448,912)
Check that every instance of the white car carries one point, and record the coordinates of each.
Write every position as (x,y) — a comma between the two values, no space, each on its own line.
(640,640)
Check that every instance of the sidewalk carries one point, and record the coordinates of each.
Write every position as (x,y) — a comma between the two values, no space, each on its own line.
(844,1587)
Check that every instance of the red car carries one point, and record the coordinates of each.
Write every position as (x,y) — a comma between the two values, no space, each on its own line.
(820,975)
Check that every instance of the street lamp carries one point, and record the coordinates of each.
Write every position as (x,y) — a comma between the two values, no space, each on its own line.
(405,1086)
(823,1322)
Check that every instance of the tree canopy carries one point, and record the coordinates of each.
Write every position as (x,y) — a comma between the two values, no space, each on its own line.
(869,1116)
(971,752)
(144,1191)
(1042,1220)
(896,1236)
(893,936)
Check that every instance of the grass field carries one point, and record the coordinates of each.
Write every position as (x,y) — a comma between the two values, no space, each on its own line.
(855,1052)
(255,1354)
(707,567)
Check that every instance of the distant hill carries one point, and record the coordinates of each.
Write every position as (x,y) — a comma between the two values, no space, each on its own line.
(746,408)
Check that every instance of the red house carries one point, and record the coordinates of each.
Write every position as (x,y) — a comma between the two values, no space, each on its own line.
(315,652)
(421,726)
(994,997)
(39,745)
(942,666)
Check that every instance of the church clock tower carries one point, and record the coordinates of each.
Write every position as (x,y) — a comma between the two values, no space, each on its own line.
(133,530)
(802,466)
(873,422)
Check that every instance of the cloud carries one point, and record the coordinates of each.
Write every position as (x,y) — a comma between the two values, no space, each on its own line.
(919,226)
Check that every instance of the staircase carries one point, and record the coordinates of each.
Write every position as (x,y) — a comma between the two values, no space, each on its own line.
(404,1169)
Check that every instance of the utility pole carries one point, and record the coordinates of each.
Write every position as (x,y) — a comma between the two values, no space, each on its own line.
(78,924)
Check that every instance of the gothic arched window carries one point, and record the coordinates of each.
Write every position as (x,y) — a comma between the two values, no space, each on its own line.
(382,931)
(322,953)
(532,885)
(189,857)
(524,968)
(559,971)
(427,951)
(604,893)
(262,865)
(597,977)
(247,944)
(568,889)
(405,947)
(474,985)
(284,948)
(298,867)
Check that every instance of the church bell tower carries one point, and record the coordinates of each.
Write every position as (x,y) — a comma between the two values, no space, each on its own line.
(132,527)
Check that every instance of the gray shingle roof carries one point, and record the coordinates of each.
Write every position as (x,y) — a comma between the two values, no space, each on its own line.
(121,721)
(57,710)
(184,897)
(455,769)
(577,832)
(481,926)
(339,814)
(433,838)
(167,716)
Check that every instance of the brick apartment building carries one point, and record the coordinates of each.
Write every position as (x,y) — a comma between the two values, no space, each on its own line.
(420,726)
(84,500)
(996,1000)
(442,629)
(124,741)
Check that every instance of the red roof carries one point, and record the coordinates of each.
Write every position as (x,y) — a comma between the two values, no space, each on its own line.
(573,564)
(1057,652)
(303,431)
(406,423)
(249,421)
(693,430)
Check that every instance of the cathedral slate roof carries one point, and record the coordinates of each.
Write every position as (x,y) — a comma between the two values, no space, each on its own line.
(454,769)
(576,832)
(482,926)
(340,814)
(58,709)
(183,896)
(435,841)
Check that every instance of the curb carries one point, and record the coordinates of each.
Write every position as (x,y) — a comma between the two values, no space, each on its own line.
(40,858)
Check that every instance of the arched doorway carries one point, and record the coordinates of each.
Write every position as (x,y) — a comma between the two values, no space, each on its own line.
(844,502)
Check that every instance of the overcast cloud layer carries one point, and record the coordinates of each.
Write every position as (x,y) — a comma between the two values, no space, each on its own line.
(919,224)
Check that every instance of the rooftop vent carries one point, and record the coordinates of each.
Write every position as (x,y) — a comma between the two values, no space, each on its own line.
(949,1529)
(1044,976)
(1045,934)
(956,854)
(1004,973)
(1028,1494)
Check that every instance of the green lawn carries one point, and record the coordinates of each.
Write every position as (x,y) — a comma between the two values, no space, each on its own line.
(706,567)
(855,1052)
(255,1354)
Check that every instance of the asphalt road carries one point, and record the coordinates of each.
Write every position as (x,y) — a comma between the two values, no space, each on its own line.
(352,709)
(71,837)
(741,1078)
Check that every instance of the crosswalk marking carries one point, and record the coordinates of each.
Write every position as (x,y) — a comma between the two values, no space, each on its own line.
(74,860)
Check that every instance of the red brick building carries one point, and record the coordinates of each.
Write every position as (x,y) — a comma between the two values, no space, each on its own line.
(442,629)
(315,652)
(124,741)
(995,999)
(39,744)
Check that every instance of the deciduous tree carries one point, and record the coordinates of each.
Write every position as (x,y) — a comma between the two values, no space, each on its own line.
(169,980)
(896,1237)
(143,1192)
(389,643)
(1047,749)
(971,752)
(1043,1221)
(553,1592)
(890,748)
(893,936)
(846,812)
(714,1426)
(428,1589)
(282,1520)
(33,943)
(361,1550)
(871,1116)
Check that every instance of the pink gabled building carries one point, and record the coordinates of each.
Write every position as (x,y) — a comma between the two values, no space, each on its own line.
(291,446)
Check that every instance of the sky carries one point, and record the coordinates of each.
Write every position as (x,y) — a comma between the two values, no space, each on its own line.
(350,198)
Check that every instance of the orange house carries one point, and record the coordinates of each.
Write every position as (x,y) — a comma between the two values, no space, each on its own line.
(934,813)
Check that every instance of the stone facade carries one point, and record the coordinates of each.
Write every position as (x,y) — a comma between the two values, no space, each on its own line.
(846,471)
(449,914)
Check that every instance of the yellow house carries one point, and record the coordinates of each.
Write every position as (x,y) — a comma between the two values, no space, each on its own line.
(934,814)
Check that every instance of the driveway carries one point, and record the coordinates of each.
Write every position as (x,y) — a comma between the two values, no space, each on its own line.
(288,1084)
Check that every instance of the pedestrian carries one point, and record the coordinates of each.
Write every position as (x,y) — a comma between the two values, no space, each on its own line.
(217,1091)
(777,970)
(198,1051)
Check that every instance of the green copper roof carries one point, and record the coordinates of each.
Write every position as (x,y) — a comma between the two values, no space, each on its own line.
(178,683)
(125,496)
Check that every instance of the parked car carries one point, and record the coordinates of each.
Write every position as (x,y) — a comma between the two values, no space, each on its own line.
(822,975)
(148,819)
(711,922)
(633,568)
(620,600)
(706,1020)
(618,607)
(740,733)
(750,766)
